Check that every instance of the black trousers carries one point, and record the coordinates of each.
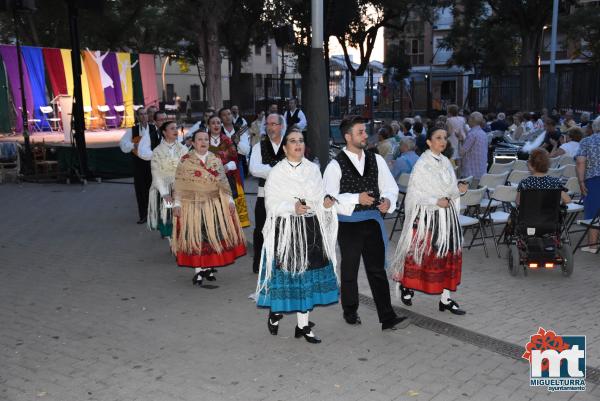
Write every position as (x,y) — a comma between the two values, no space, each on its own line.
(260,215)
(142,180)
(364,239)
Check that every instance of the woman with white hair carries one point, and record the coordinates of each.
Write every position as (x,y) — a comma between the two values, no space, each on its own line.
(474,150)
(407,159)
(456,130)
(588,173)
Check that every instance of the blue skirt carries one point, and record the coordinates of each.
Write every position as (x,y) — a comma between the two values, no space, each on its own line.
(591,203)
(301,292)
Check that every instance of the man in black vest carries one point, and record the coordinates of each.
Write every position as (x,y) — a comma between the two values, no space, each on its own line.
(265,154)
(142,176)
(295,116)
(365,189)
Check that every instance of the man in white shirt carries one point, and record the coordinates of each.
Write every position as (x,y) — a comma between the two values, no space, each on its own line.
(149,142)
(295,116)
(238,121)
(240,139)
(142,176)
(363,185)
(273,109)
(265,155)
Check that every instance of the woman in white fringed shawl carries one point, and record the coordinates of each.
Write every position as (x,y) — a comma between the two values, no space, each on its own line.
(297,268)
(428,255)
(165,158)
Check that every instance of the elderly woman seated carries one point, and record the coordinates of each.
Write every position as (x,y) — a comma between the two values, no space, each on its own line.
(569,143)
(407,159)
(539,163)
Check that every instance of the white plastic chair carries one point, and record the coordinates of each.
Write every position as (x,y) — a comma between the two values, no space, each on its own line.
(554,162)
(89,118)
(505,195)
(570,171)
(500,168)
(120,110)
(104,109)
(402,185)
(556,172)
(521,165)
(564,160)
(516,176)
(472,200)
(48,111)
(491,181)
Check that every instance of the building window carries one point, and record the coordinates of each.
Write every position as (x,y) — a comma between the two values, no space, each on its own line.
(258,79)
(415,51)
(257,50)
(195,92)
(268,54)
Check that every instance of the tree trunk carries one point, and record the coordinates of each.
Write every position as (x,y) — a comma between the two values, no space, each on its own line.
(236,79)
(212,63)
(530,83)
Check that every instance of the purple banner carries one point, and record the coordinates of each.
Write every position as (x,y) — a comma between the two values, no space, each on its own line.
(112,94)
(9,56)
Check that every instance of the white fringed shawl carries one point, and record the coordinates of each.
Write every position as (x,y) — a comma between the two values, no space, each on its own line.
(284,184)
(430,180)
(163,164)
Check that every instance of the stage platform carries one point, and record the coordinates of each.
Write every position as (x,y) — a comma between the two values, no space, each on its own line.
(105,158)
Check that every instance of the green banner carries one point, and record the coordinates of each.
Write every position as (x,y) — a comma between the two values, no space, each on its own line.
(4,101)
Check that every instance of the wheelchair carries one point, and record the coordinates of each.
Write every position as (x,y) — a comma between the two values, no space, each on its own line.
(534,240)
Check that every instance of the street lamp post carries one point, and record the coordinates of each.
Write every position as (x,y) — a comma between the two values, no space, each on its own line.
(552,95)
(317,105)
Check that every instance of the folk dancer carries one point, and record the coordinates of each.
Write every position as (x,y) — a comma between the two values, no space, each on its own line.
(297,268)
(142,176)
(165,159)
(428,255)
(206,229)
(265,155)
(365,189)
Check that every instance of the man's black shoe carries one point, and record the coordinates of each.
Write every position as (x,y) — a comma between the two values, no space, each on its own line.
(399,322)
(352,318)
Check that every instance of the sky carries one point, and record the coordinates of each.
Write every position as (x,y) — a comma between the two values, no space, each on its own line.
(377,55)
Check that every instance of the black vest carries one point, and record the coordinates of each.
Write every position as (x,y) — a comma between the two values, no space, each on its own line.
(152,130)
(268,156)
(353,182)
(237,124)
(292,119)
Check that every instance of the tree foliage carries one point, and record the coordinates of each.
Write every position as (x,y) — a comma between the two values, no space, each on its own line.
(583,32)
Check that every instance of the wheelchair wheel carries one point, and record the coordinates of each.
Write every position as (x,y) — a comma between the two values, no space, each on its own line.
(567,255)
(514,260)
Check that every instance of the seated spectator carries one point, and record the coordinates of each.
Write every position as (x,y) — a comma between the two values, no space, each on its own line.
(407,159)
(407,123)
(550,134)
(499,124)
(571,145)
(418,129)
(518,126)
(539,163)
(567,121)
(585,123)
(386,145)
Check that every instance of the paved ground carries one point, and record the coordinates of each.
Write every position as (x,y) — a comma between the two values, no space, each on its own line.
(93,308)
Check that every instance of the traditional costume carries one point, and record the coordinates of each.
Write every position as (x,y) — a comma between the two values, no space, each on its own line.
(207,232)
(225,150)
(298,257)
(165,158)
(428,255)
(265,155)
(142,176)
(361,230)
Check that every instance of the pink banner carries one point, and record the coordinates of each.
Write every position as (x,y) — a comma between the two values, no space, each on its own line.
(148,72)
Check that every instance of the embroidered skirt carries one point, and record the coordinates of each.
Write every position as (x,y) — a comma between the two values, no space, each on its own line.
(287,292)
(433,274)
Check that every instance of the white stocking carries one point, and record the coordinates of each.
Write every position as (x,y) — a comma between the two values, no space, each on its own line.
(303,321)
(445,297)
(197,270)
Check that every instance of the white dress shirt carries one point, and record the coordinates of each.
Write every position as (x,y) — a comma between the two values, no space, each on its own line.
(257,168)
(145,147)
(126,143)
(243,146)
(347,201)
(300,124)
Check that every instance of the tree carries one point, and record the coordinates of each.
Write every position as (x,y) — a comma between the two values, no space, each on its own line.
(583,33)
(495,34)
(243,27)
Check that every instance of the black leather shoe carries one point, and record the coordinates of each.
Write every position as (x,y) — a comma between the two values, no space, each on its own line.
(210,275)
(399,322)
(305,331)
(406,295)
(197,280)
(274,318)
(452,307)
(141,221)
(352,318)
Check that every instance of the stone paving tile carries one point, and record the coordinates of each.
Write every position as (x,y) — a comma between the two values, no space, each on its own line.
(93,308)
